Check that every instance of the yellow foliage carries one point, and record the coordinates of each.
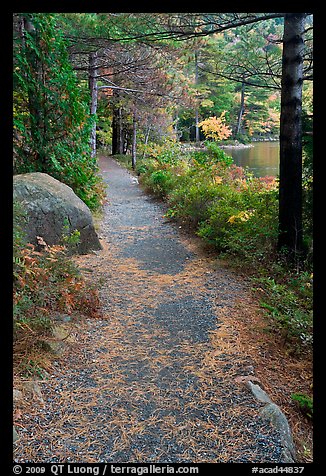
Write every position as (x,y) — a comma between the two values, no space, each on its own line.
(242,216)
(217,179)
(215,127)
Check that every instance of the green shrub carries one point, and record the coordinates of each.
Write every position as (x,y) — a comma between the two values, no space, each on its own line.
(242,223)
(212,154)
(305,403)
(216,154)
(200,156)
(238,214)
(168,152)
(291,313)
(160,182)
(51,112)
(69,239)
(191,199)
(234,211)
(141,168)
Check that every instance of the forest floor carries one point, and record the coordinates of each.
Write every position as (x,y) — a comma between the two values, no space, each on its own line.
(156,377)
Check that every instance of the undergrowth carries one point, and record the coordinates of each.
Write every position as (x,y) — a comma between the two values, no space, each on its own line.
(46,282)
(237,214)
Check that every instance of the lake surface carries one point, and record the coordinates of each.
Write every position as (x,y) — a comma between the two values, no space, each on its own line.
(261,159)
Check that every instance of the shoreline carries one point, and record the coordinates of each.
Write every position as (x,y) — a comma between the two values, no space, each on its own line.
(239,145)
(236,146)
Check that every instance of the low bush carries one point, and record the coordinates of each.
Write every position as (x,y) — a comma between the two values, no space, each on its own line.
(160,182)
(124,159)
(305,404)
(163,169)
(190,200)
(216,154)
(289,308)
(168,152)
(44,283)
(237,213)
(243,224)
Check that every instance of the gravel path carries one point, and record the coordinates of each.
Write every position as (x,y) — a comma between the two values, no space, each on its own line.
(153,380)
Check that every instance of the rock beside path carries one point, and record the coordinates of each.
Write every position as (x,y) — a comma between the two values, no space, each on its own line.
(50,204)
(272,412)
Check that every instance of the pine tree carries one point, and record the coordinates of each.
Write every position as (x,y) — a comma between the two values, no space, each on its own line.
(51,109)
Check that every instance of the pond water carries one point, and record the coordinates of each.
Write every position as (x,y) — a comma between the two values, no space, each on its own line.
(261,159)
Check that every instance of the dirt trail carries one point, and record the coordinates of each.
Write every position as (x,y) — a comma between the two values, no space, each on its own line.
(153,380)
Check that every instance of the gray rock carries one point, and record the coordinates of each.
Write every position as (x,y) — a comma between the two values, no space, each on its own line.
(258,392)
(61,317)
(57,343)
(17,395)
(270,411)
(33,389)
(274,414)
(49,203)
(15,436)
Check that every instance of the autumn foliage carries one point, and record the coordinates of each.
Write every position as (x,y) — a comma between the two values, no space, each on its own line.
(46,284)
(215,128)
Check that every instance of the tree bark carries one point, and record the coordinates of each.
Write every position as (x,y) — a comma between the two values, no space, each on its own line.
(196,112)
(93,90)
(196,127)
(120,131)
(134,139)
(290,238)
(241,110)
(146,139)
(115,128)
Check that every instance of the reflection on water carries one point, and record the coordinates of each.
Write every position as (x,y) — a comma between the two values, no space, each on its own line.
(261,159)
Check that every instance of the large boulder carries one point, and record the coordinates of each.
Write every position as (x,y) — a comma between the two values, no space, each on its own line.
(49,205)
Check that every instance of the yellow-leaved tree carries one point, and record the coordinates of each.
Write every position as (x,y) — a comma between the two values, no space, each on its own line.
(215,127)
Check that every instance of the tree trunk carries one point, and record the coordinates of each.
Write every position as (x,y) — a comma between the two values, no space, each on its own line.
(115,129)
(134,138)
(196,128)
(290,186)
(146,139)
(120,132)
(176,132)
(93,90)
(241,110)
(196,113)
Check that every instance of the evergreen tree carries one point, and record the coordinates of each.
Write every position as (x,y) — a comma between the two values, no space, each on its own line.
(51,120)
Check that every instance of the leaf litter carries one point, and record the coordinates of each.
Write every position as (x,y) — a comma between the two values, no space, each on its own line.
(134,385)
